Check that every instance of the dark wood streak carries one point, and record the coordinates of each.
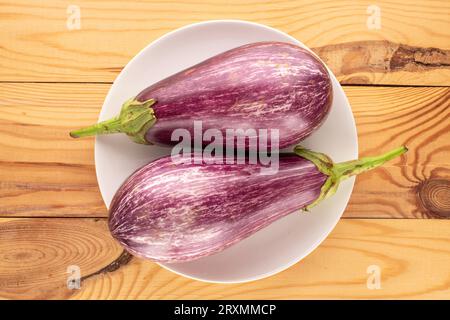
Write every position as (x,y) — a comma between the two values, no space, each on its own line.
(431,154)
(410,58)
(380,56)
(121,261)
(434,197)
(46,187)
(57,164)
(112,69)
(433,137)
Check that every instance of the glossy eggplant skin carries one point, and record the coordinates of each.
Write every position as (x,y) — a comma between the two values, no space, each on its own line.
(264,85)
(172,212)
(277,87)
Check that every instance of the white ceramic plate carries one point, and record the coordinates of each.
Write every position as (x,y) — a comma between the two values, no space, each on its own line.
(286,241)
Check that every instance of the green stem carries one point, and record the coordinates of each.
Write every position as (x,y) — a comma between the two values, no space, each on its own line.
(112,125)
(338,172)
(345,170)
(135,119)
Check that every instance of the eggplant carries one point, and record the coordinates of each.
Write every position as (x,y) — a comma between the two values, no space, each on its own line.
(174,211)
(263,85)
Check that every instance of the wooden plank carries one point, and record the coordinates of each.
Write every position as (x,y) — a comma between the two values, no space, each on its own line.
(401,192)
(36,255)
(413,257)
(410,44)
(417,118)
(43,172)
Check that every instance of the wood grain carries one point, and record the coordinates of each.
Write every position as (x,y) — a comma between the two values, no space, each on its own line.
(49,177)
(37,46)
(374,62)
(413,257)
(417,118)
(43,172)
(35,254)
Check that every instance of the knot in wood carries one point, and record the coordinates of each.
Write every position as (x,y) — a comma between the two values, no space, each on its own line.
(434,195)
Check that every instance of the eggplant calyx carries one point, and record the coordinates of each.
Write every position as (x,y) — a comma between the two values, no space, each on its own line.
(135,119)
(338,172)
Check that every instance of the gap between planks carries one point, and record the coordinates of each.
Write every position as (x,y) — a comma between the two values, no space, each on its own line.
(342,84)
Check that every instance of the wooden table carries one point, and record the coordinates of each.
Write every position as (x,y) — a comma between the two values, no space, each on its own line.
(55,70)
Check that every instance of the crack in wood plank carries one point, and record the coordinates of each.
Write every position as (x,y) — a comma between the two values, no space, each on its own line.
(115,265)
(416,58)
(380,56)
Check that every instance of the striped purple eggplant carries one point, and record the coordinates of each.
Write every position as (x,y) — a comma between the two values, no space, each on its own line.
(263,85)
(169,211)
